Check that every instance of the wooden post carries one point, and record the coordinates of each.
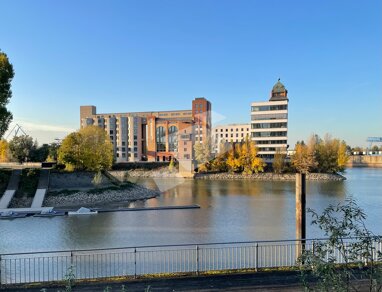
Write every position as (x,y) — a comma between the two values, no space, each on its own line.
(300,212)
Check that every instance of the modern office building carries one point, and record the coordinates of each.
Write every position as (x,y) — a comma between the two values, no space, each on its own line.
(153,136)
(269,123)
(229,133)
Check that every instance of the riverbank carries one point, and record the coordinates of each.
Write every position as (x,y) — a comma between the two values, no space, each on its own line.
(91,198)
(267,176)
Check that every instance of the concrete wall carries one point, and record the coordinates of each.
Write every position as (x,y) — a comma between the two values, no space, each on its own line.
(364,161)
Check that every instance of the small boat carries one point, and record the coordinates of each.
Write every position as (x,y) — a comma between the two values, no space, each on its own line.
(50,213)
(12,215)
(83,211)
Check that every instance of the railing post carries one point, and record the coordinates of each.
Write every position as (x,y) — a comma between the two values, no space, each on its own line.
(257,257)
(1,283)
(197,259)
(135,263)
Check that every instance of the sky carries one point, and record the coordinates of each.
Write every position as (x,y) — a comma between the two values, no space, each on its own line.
(126,56)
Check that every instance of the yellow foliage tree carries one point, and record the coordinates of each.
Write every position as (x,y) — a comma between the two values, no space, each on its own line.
(4,151)
(243,158)
(303,159)
(87,149)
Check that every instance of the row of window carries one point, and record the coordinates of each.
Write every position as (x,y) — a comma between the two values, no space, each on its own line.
(268,125)
(237,130)
(172,139)
(226,135)
(269,117)
(271,142)
(269,134)
(269,108)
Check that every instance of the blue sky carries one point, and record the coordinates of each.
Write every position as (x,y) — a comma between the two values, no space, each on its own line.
(158,55)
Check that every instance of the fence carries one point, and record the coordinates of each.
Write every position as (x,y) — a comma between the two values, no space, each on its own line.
(150,260)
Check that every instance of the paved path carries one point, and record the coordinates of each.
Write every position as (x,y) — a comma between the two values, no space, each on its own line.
(42,188)
(12,187)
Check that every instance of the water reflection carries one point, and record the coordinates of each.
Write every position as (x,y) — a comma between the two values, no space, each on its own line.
(230,211)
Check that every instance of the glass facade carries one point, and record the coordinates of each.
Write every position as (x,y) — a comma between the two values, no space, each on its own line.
(161,139)
(173,139)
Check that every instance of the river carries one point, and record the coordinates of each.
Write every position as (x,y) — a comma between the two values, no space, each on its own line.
(230,211)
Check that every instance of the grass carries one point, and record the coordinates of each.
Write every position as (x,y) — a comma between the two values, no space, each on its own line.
(5,174)
(28,182)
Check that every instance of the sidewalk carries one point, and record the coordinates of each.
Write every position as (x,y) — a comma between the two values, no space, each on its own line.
(261,281)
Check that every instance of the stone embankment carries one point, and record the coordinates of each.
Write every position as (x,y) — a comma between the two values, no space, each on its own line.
(122,175)
(77,189)
(269,176)
(101,198)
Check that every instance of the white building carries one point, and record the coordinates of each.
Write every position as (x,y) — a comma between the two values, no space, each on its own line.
(229,133)
(269,123)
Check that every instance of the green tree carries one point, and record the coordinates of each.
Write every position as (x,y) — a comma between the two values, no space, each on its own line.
(6,76)
(53,149)
(348,237)
(21,147)
(87,149)
(39,154)
(278,163)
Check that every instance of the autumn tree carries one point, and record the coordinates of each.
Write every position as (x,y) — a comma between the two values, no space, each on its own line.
(219,162)
(88,149)
(330,154)
(303,159)
(243,158)
(6,76)
(21,147)
(278,164)
(5,154)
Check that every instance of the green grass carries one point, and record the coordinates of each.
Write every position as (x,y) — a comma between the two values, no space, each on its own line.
(5,174)
(28,182)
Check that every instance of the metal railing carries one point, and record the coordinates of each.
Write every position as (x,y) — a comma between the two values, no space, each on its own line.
(18,268)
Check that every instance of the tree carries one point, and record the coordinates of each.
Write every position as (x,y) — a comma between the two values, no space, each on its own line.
(88,149)
(203,154)
(374,148)
(278,164)
(5,154)
(303,159)
(248,158)
(21,147)
(6,76)
(243,158)
(39,154)
(53,149)
(330,155)
(348,237)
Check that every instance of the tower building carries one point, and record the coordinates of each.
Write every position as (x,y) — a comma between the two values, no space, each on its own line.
(269,123)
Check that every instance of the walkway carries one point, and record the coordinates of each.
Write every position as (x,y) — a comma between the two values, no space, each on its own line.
(12,187)
(42,188)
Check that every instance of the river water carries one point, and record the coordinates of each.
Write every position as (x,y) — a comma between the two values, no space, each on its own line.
(230,211)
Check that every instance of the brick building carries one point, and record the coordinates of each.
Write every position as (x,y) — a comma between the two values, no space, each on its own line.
(153,136)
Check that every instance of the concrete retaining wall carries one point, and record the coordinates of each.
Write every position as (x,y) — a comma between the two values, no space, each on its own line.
(365,161)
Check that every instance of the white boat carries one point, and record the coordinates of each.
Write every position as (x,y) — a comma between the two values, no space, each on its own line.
(83,211)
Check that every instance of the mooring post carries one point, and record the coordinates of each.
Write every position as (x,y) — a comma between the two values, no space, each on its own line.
(300,212)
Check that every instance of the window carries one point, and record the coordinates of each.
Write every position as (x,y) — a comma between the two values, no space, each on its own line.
(135,143)
(231,135)
(237,135)
(123,143)
(231,130)
(173,138)
(226,130)
(221,135)
(221,130)
(226,135)
(135,149)
(161,139)
(124,155)
(185,149)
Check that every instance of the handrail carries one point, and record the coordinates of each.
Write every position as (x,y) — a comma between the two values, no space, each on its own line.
(178,245)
